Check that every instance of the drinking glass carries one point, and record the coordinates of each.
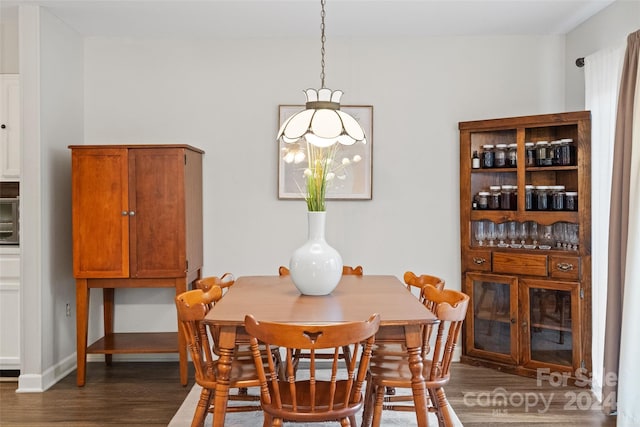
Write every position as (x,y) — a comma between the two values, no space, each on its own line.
(501,234)
(479,233)
(559,234)
(546,236)
(534,234)
(491,232)
(573,236)
(523,232)
(512,232)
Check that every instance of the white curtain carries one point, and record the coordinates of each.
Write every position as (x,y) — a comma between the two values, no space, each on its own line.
(629,370)
(602,72)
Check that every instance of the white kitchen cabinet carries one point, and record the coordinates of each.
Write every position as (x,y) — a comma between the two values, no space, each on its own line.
(9,127)
(9,308)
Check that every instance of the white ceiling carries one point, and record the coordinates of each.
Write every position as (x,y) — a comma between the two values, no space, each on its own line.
(301,18)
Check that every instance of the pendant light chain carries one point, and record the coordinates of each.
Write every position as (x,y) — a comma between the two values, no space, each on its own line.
(322,40)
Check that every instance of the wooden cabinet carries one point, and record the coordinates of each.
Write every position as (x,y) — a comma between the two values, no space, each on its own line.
(137,223)
(527,268)
(10,127)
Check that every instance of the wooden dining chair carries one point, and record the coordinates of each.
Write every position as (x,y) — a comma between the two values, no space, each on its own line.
(225,282)
(315,396)
(418,282)
(192,307)
(347,270)
(390,341)
(450,307)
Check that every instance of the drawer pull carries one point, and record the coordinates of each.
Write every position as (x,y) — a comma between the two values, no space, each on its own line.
(564,266)
(479,261)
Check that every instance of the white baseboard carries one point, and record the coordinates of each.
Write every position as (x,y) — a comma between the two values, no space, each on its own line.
(37,383)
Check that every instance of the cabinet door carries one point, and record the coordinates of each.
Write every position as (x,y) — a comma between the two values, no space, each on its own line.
(550,325)
(10,127)
(492,323)
(100,213)
(157,200)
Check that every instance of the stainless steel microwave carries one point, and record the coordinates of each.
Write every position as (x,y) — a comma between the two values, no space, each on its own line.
(9,221)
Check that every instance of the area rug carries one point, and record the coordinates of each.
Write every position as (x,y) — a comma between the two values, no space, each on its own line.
(183,417)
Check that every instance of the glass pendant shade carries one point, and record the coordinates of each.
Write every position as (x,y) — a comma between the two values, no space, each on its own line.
(322,123)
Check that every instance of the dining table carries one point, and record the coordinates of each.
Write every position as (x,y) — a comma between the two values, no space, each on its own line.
(356,298)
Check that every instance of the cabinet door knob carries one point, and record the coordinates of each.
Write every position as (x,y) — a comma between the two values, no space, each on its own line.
(132,213)
(479,260)
(125,213)
(3,126)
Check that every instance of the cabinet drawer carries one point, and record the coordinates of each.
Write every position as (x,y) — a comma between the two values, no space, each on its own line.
(525,264)
(478,260)
(564,267)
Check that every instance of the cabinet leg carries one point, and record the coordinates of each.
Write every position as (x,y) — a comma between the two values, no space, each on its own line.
(181,286)
(108,306)
(82,319)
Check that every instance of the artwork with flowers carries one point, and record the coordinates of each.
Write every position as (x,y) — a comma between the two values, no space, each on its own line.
(346,169)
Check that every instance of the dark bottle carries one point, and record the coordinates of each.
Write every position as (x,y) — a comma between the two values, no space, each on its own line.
(475,160)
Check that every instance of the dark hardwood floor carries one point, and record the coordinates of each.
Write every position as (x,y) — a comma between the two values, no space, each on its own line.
(148,394)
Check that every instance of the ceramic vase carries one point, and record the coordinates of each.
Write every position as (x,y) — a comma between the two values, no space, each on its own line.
(315,267)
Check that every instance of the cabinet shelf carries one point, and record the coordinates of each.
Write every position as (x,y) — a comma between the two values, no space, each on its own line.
(135,342)
(541,217)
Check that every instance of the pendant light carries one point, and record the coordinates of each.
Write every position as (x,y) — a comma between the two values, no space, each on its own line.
(321,123)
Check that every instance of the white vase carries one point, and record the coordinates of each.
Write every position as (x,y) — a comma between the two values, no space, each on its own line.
(315,267)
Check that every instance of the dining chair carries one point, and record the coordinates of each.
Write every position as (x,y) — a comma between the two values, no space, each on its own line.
(418,282)
(450,307)
(347,270)
(192,307)
(315,396)
(390,341)
(225,282)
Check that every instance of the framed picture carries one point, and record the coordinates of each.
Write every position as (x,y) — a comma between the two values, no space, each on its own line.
(354,180)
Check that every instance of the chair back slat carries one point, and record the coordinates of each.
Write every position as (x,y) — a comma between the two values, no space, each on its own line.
(312,394)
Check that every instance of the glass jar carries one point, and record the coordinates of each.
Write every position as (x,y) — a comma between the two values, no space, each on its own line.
(571,200)
(541,195)
(483,200)
(557,197)
(566,152)
(529,154)
(543,154)
(554,152)
(494,197)
(508,201)
(529,199)
(500,159)
(488,156)
(512,155)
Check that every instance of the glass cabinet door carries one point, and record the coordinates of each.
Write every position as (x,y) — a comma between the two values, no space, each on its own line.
(491,326)
(551,334)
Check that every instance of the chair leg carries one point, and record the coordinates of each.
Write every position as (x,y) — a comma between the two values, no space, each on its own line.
(377,409)
(369,402)
(202,408)
(441,405)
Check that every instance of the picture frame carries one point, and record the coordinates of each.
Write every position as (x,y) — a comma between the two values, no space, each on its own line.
(356,181)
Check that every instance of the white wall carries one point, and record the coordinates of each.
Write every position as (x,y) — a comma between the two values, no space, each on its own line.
(607,29)
(222,96)
(52,80)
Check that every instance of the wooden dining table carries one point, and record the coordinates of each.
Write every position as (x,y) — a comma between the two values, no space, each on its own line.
(276,299)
